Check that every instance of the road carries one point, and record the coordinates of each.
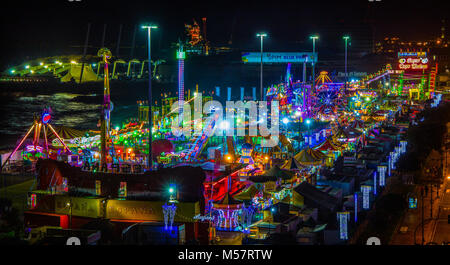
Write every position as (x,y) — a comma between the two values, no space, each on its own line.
(436,229)
(441,231)
(410,225)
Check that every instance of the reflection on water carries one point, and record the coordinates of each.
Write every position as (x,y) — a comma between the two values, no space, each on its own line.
(71,110)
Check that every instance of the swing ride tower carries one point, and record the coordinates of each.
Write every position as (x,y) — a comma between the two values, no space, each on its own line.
(105,53)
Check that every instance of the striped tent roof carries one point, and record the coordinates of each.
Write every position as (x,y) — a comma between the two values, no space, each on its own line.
(292,164)
(327,145)
(65,133)
(358,125)
(276,171)
(310,157)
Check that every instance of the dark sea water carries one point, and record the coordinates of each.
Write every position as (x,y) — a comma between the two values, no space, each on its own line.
(79,111)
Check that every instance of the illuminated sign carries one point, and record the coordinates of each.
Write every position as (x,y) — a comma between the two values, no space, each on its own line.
(78,206)
(83,142)
(413,63)
(412,54)
(150,210)
(32,148)
(203,218)
(352,74)
(395,71)
(279,57)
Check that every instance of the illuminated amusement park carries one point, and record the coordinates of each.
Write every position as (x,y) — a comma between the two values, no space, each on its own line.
(320,156)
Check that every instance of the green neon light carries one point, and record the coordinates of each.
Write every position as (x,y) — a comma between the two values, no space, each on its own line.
(181,55)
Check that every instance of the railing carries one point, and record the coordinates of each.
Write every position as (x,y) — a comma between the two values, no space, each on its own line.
(114,168)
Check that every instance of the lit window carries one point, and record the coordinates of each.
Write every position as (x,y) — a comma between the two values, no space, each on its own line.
(32,201)
(123,190)
(65,185)
(98,187)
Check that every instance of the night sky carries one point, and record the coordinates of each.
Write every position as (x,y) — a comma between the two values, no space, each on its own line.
(33,29)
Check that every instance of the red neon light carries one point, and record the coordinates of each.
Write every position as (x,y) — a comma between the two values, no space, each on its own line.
(46,118)
(413,63)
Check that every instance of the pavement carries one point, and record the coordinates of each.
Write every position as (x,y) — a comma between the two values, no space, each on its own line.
(441,229)
(436,229)
(410,224)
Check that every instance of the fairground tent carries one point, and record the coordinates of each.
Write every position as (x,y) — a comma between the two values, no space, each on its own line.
(273,174)
(292,164)
(310,157)
(327,145)
(65,133)
(75,72)
(358,125)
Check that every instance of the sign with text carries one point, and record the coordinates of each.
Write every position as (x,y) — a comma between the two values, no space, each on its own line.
(413,63)
(412,54)
(78,206)
(279,57)
(150,210)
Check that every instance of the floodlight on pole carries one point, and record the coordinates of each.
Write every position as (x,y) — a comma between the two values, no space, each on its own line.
(346,38)
(313,38)
(261,35)
(149,28)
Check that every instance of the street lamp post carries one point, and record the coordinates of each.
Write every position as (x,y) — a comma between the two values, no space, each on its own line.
(423,215)
(308,121)
(314,38)
(261,35)
(150,117)
(346,38)
(69,204)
